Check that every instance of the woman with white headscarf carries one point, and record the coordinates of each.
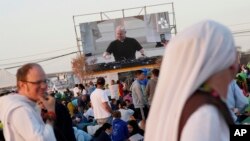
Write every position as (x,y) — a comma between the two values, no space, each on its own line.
(202,56)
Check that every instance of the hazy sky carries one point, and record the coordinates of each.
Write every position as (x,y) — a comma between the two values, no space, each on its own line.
(42,29)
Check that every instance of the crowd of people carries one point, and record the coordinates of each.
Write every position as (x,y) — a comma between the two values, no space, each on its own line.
(198,92)
(101,107)
(91,111)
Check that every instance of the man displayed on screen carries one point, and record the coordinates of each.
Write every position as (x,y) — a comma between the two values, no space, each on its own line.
(123,48)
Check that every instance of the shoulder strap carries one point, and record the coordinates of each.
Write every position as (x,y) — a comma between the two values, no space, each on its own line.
(199,99)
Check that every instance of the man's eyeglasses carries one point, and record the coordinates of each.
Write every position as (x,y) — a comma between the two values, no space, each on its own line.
(39,82)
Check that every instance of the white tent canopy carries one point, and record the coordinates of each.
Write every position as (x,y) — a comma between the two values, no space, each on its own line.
(7,79)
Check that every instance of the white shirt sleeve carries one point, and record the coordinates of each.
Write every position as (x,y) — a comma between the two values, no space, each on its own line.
(130,111)
(206,124)
(25,123)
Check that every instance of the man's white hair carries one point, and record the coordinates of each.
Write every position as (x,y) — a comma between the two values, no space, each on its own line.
(121,28)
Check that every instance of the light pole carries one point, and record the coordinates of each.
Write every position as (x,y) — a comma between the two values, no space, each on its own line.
(77,40)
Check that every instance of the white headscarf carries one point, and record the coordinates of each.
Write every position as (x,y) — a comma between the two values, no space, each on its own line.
(190,59)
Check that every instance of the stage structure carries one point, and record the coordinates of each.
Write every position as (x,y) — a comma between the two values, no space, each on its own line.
(147,24)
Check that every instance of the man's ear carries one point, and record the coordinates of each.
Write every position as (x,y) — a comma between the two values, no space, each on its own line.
(234,68)
(20,84)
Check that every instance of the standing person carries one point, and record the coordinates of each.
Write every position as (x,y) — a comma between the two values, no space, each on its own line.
(123,48)
(151,85)
(76,90)
(18,111)
(189,101)
(138,96)
(114,90)
(82,89)
(100,103)
(91,88)
(120,89)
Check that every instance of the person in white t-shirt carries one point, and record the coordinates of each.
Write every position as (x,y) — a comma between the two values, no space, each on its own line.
(82,89)
(114,90)
(76,90)
(125,112)
(100,103)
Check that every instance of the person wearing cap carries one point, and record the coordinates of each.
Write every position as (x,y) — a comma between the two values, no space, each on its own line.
(123,48)
(100,103)
(19,112)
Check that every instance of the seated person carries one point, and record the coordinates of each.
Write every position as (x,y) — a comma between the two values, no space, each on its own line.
(135,132)
(103,133)
(120,129)
(125,112)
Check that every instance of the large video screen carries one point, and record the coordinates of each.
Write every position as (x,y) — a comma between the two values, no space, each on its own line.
(146,29)
(149,30)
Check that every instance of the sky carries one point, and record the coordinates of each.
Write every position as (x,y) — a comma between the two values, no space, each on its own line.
(31,30)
